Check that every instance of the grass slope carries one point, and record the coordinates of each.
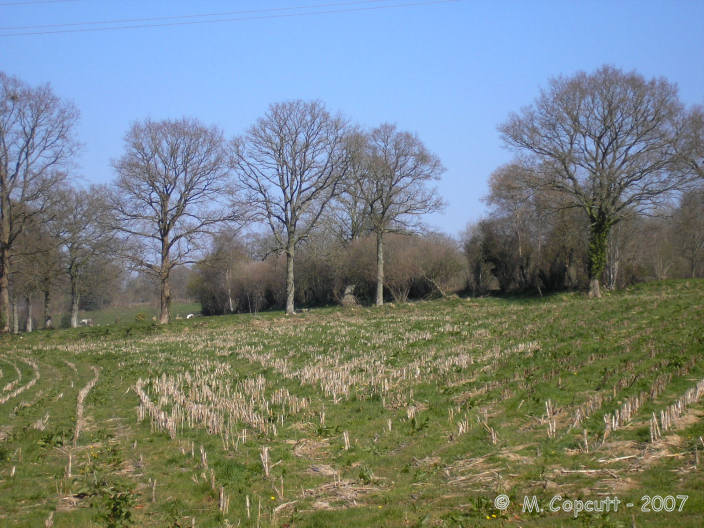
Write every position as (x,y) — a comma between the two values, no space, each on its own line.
(409,415)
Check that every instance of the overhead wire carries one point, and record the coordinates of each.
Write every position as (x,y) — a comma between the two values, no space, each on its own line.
(309,10)
(32,2)
(183,17)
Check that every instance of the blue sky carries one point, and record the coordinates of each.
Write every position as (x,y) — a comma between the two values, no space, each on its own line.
(449,71)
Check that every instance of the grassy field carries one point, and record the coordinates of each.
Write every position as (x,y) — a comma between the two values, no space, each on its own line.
(126,314)
(411,415)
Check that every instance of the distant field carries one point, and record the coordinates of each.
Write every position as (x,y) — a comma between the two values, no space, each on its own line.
(419,414)
(130,314)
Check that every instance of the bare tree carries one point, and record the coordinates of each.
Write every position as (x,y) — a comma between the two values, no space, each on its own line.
(512,199)
(688,230)
(51,276)
(171,183)
(218,270)
(347,218)
(604,141)
(36,140)
(33,255)
(394,186)
(692,143)
(82,228)
(291,163)
(442,263)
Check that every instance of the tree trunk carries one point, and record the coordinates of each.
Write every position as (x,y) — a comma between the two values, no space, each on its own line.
(47,315)
(75,299)
(693,264)
(613,261)
(614,264)
(379,268)
(15,318)
(538,279)
(290,291)
(598,245)
(164,271)
(228,286)
(4,288)
(594,288)
(165,304)
(28,326)
(5,228)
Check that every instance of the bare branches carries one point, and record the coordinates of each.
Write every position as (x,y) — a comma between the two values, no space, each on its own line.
(394,184)
(36,140)
(82,228)
(171,185)
(290,165)
(691,144)
(392,171)
(291,162)
(605,142)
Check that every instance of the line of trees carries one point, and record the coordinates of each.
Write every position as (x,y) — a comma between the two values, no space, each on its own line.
(236,277)
(179,181)
(606,188)
(524,247)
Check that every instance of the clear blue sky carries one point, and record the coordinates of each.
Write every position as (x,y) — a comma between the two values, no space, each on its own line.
(449,71)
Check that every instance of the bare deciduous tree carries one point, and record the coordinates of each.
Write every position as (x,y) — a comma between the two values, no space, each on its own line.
(82,228)
(692,142)
(170,187)
(443,268)
(604,141)
(347,218)
(33,261)
(688,230)
(393,184)
(36,140)
(218,272)
(512,199)
(291,163)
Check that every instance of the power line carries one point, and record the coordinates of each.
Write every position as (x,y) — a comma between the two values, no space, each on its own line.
(313,11)
(31,2)
(184,17)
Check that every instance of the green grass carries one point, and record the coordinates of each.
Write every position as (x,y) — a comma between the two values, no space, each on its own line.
(129,314)
(409,415)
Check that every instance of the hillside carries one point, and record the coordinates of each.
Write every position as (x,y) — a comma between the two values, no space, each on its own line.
(411,415)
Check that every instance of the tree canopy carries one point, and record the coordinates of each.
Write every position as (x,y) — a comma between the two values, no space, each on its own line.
(170,187)
(606,142)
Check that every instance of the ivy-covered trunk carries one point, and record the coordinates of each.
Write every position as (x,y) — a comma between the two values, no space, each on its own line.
(598,246)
